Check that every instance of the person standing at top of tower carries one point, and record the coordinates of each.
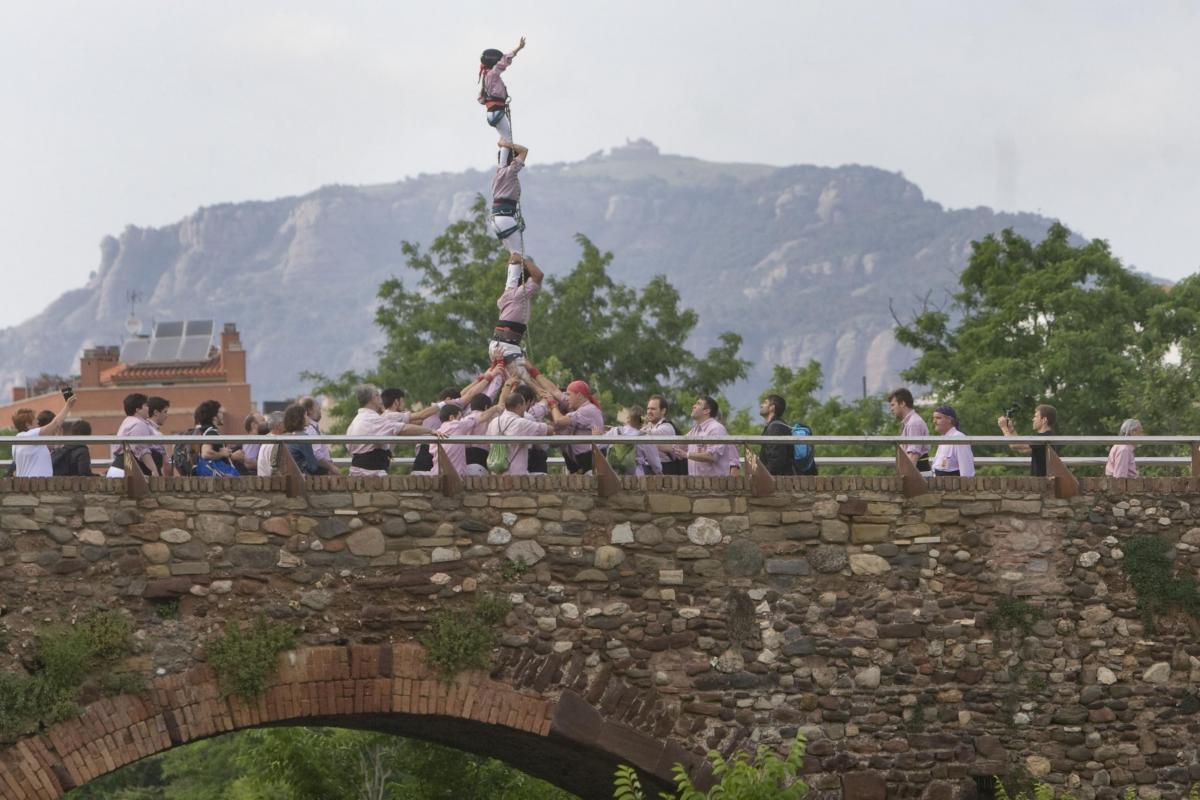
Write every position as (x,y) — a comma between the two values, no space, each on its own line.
(493,94)
(507,223)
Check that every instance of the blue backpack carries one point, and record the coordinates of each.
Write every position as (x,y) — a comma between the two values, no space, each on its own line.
(803,459)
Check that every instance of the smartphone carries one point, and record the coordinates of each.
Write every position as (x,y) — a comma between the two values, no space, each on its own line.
(67,392)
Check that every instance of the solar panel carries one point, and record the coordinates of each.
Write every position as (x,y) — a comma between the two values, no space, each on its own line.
(135,350)
(167,330)
(199,327)
(164,349)
(195,348)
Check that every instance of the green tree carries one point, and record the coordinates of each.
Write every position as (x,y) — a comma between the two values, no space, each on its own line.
(800,388)
(1051,322)
(626,342)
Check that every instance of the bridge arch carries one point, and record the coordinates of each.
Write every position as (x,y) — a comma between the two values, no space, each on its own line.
(387,688)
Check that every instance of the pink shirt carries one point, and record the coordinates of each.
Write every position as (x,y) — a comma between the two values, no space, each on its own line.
(1120,462)
(457,453)
(321,451)
(509,424)
(951,457)
(505,185)
(493,84)
(369,422)
(583,419)
(514,302)
(646,457)
(133,426)
(725,454)
(913,425)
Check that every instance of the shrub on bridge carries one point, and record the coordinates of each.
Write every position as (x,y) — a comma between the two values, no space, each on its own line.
(463,639)
(1147,563)
(65,656)
(766,777)
(245,659)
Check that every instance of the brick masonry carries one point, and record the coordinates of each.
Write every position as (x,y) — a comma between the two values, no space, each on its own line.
(677,616)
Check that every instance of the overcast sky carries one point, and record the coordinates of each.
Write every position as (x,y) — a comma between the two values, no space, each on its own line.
(126,112)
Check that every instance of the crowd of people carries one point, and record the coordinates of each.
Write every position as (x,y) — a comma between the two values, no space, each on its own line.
(512,398)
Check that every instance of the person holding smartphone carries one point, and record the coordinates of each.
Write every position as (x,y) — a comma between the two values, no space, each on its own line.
(33,460)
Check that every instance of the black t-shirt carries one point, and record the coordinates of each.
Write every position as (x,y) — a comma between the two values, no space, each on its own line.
(1037,456)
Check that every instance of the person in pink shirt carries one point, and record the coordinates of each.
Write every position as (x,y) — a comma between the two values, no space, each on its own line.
(373,459)
(1121,463)
(515,421)
(515,306)
(507,223)
(710,460)
(493,94)
(900,402)
(312,411)
(647,460)
(137,414)
(456,423)
(584,417)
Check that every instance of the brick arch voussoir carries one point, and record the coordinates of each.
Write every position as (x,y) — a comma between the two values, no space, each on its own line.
(317,682)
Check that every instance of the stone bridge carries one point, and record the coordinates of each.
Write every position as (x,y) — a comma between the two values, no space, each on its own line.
(675,616)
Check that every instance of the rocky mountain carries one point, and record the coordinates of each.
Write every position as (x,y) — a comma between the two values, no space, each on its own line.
(802,261)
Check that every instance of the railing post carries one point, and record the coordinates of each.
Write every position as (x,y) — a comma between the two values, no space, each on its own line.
(135,482)
(607,482)
(1065,483)
(451,481)
(1196,460)
(293,478)
(761,482)
(911,480)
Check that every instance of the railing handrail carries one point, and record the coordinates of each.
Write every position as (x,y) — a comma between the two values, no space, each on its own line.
(751,439)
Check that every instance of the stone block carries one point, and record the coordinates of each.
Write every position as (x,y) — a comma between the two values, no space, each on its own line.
(95,516)
(827,559)
(331,500)
(526,550)
(607,557)
(1021,506)
(865,532)
(252,556)
(527,528)
(834,530)
(648,535)
(212,504)
(788,566)
(513,501)
(92,537)
(277,526)
(864,785)
(743,559)
(214,529)
(669,504)
(18,522)
(414,558)
(444,554)
(156,552)
(765,517)
(711,505)
(977,508)
(704,531)
(250,537)
(366,542)
(868,564)
(192,568)
(941,516)
(670,577)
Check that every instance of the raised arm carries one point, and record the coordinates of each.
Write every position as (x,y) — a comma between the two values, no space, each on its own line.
(53,427)
(520,46)
(1006,427)
(535,272)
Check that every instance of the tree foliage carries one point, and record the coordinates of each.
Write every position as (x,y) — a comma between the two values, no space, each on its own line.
(626,342)
(1063,324)
(767,776)
(301,763)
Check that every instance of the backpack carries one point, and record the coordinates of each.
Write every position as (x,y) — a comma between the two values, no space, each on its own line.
(183,457)
(803,459)
(497,458)
(622,458)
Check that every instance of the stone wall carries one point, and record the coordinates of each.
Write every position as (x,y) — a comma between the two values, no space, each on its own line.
(686,608)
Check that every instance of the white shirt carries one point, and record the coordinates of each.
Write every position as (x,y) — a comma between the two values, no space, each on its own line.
(265,454)
(32,460)
(951,457)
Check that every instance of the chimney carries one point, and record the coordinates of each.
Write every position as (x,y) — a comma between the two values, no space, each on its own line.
(233,357)
(95,360)
(19,393)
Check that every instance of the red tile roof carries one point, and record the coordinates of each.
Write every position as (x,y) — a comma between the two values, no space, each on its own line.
(132,373)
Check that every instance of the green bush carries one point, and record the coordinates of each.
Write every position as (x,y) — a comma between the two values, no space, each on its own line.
(1147,563)
(463,639)
(1014,615)
(245,660)
(64,657)
(766,777)
(511,570)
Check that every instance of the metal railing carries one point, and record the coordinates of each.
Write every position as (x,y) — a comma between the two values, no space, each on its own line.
(887,443)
